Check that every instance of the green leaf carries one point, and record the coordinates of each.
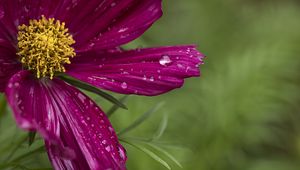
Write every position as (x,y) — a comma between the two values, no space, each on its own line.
(93,89)
(162,127)
(167,154)
(140,120)
(40,149)
(115,107)
(31,137)
(16,147)
(18,166)
(149,153)
(153,144)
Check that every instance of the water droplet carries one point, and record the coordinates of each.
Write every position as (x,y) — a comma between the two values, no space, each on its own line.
(179,65)
(165,60)
(92,45)
(111,129)
(122,152)
(108,148)
(113,4)
(144,78)
(123,30)
(200,58)
(10,85)
(124,85)
(188,69)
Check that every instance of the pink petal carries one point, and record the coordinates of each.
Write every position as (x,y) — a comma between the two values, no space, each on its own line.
(16,12)
(8,63)
(95,24)
(78,134)
(112,23)
(144,71)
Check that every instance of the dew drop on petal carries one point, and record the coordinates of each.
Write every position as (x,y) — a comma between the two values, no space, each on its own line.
(111,129)
(108,148)
(124,85)
(144,78)
(179,65)
(122,152)
(165,60)
(187,69)
(113,4)
(10,85)
(123,30)
(104,142)
(91,45)
(200,58)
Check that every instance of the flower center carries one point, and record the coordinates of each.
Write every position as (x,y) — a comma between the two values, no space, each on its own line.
(45,46)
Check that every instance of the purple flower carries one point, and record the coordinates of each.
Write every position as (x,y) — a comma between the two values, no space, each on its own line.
(39,39)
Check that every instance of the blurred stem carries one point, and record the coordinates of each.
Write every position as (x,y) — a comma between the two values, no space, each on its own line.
(31,137)
(115,107)
(150,140)
(148,152)
(162,128)
(15,165)
(16,149)
(154,145)
(37,150)
(141,119)
(3,105)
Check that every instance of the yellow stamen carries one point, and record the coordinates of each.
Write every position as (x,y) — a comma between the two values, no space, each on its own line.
(45,46)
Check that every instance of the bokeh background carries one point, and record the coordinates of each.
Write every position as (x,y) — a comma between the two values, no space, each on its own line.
(241,114)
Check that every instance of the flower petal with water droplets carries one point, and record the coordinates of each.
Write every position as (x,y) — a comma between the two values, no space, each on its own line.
(149,71)
(78,134)
(114,23)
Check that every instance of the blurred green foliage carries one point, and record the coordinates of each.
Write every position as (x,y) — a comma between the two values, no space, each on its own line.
(241,114)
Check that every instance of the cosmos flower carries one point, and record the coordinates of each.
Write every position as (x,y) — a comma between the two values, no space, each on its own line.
(41,39)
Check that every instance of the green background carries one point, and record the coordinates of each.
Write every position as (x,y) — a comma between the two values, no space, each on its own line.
(241,114)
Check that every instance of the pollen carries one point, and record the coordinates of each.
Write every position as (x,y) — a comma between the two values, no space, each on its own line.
(45,46)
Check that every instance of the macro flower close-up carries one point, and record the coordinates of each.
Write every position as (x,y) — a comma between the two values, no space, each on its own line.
(46,45)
